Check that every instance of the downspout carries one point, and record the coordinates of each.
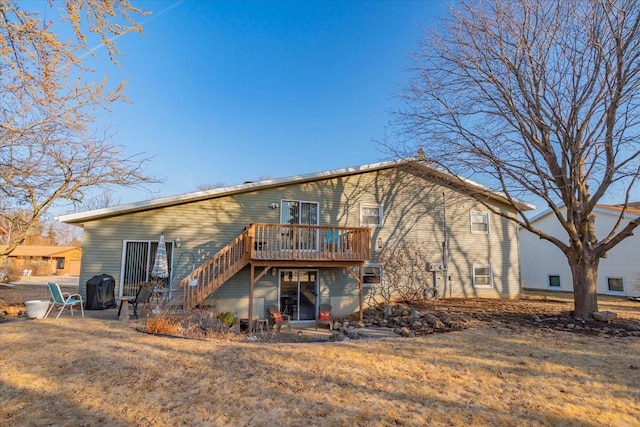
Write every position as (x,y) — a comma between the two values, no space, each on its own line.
(519,260)
(445,252)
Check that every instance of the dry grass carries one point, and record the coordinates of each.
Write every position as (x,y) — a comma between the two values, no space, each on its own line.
(73,371)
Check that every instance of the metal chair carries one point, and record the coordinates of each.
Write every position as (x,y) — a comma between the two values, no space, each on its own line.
(63,300)
(143,296)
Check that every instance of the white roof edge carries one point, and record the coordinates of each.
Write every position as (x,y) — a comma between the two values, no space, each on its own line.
(596,209)
(79,217)
(186,197)
(542,214)
(523,205)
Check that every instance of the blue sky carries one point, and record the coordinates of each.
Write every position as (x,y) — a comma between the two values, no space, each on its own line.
(225,91)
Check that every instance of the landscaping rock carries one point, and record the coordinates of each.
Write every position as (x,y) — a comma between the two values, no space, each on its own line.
(433,321)
(404,331)
(605,316)
(387,310)
(352,333)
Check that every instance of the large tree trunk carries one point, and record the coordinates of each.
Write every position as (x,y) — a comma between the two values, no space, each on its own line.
(585,278)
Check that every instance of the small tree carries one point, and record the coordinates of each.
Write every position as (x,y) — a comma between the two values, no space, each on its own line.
(406,271)
(51,147)
(534,97)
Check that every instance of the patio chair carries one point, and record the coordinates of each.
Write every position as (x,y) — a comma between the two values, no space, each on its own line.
(143,296)
(279,318)
(324,316)
(63,300)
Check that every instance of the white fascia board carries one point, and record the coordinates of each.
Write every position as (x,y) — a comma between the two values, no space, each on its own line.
(79,218)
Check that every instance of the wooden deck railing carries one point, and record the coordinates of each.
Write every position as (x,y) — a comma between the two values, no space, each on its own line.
(276,242)
(309,243)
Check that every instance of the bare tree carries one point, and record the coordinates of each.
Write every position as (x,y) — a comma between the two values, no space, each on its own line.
(535,98)
(51,148)
(99,201)
(406,272)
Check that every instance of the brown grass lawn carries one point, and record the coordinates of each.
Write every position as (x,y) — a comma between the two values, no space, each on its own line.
(75,371)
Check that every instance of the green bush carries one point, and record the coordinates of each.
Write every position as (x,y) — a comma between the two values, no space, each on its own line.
(226,318)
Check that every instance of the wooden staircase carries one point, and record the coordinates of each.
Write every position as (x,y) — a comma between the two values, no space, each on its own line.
(267,245)
(216,271)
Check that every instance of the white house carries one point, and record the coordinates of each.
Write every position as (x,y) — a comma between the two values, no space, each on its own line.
(545,267)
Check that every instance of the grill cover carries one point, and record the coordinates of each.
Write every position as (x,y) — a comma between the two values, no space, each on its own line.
(100,292)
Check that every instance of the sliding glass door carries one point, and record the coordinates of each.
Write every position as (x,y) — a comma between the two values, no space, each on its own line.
(298,293)
(299,213)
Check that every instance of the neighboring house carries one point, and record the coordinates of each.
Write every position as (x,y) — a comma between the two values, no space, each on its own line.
(301,241)
(545,267)
(46,260)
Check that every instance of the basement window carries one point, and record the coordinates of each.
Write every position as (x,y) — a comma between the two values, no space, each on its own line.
(371,275)
(615,285)
(554,281)
(482,277)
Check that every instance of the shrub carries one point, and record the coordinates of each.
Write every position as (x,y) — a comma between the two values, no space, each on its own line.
(13,273)
(38,268)
(226,318)
(165,323)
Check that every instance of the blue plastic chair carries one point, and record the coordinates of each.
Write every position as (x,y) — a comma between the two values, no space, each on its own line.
(63,300)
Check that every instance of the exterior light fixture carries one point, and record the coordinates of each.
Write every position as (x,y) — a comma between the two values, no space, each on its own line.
(178,243)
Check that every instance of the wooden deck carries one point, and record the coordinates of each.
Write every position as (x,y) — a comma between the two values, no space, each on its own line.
(277,245)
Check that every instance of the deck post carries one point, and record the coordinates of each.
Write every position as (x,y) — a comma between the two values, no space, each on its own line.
(360,280)
(251,282)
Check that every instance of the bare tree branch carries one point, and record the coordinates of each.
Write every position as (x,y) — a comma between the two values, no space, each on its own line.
(51,147)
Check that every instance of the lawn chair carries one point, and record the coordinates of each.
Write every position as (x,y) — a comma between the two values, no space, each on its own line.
(324,316)
(278,318)
(143,296)
(63,300)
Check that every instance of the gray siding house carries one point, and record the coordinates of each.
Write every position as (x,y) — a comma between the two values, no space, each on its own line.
(301,241)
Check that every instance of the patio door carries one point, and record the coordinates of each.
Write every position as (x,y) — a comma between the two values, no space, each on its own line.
(299,213)
(137,263)
(299,293)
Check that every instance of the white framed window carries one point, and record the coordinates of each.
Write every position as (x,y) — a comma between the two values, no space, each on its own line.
(554,281)
(371,215)
(482,277)
(371,275)
(480,222)
(615,285)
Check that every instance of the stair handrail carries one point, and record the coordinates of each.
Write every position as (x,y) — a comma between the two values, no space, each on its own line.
(206,278)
